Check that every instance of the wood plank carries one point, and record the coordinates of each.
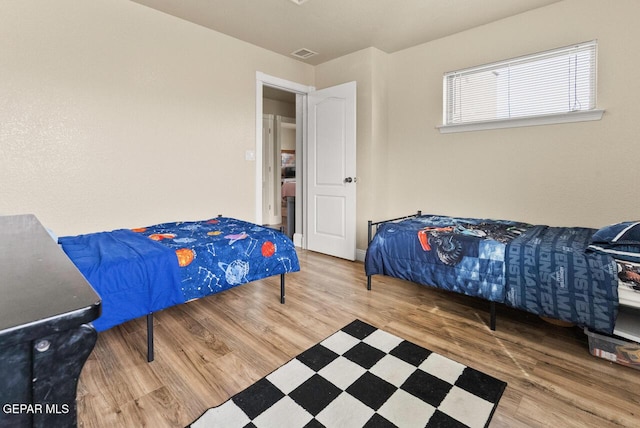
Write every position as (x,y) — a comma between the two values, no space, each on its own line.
(212,348)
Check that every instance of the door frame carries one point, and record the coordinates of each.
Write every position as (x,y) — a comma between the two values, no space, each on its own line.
(269,149)
(301,92)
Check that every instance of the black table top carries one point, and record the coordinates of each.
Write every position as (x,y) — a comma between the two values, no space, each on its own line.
(41,290)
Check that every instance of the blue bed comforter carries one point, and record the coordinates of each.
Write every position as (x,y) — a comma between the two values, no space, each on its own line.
(549,273)
(540,269)
(133,275)
(464,255)
(223,252)
(140,271)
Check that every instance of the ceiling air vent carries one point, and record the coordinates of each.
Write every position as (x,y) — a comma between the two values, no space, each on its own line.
(303,53)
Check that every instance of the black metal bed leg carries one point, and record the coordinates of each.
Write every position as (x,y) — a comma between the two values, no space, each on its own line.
(150,337)
(493,316)
(282,288)
(369,282)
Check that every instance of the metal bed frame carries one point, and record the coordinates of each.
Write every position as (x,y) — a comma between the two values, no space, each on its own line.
(150,353)
(370,233)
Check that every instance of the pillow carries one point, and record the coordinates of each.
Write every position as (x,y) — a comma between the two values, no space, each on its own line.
(620,240)
(627,232)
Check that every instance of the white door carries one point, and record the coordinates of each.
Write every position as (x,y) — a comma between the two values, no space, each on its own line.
(331,163)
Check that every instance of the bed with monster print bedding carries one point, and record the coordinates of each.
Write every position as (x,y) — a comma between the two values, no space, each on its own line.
(548,271)
(138,272)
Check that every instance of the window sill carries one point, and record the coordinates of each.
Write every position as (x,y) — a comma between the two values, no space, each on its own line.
(551,119)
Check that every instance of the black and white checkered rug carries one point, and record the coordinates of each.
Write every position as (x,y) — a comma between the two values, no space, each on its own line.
(362,376)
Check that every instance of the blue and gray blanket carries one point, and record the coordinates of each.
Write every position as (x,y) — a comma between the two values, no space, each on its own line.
(539,269)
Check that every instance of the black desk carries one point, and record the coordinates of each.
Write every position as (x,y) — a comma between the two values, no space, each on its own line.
(45,305)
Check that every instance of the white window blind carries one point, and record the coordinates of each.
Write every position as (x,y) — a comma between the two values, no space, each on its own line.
(558,81)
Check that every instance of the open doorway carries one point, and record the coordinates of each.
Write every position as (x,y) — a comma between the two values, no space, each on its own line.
(279,164)
(325,175)
(269,84)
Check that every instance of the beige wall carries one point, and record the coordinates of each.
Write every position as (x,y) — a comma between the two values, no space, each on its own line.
(582,174)
(281,108)
(115,115)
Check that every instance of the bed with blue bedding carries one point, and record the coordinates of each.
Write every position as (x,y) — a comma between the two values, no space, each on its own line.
(140,271)
(548,271)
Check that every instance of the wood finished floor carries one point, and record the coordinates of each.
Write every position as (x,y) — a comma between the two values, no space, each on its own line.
(208,350)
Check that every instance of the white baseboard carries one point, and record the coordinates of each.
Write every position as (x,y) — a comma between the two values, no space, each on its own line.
(360,254)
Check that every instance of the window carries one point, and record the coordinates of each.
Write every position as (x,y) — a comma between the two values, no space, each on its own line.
(548,87)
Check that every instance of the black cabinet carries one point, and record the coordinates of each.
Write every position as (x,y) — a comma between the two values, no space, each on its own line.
(45,338)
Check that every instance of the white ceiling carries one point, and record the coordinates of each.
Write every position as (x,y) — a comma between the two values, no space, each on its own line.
(334,28)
